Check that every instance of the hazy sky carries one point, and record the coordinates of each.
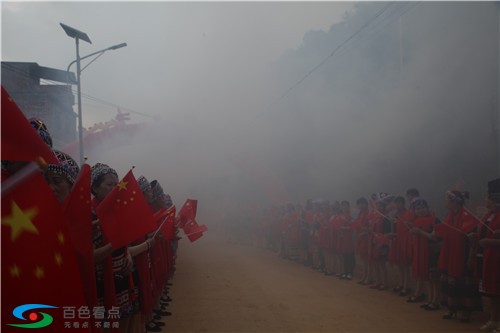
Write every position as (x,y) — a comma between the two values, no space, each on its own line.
(410,101)
(181,58)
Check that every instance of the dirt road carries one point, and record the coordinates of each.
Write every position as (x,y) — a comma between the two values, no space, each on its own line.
(224,287)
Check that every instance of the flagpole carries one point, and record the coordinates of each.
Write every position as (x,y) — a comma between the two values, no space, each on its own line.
(390,219)
(478,219)
(187,235)
(161,225)
(22,175)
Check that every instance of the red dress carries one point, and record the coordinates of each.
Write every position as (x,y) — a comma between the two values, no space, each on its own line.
(490,283)
(403,243)
(420,245)
(361,242)
(453,233)
(346,236)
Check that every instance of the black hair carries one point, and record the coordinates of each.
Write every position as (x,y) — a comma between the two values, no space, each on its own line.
(362,200)
(400,200)
(413,192)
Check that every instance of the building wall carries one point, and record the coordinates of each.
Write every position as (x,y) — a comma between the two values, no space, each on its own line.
(53,103)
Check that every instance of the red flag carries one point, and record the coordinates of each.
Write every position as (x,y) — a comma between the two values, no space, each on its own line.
(39,265)
(160,214)
(77,210)
(124,214)
(194,231)
(188,211)
(20,141)
(168,228)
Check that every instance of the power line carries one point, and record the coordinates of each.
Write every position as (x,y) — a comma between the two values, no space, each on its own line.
(376,29)
(326,59)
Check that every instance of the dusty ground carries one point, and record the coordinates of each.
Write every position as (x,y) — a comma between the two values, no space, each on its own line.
(224,287)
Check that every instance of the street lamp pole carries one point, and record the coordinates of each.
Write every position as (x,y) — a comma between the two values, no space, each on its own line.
(77,35)
(79,93)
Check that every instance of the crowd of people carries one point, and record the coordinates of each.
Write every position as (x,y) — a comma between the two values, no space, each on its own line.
(135,279)
(450,264)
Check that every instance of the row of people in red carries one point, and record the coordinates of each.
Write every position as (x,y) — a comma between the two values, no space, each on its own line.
(457,259)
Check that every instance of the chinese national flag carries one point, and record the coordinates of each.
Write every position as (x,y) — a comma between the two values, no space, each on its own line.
(20,141)
(124,214)
(168,228)
(188,211)
(160,214)
(194,231)
(38,261)
(77,210)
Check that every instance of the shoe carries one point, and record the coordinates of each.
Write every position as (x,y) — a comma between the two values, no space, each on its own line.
(450,315)
(165,313)
(489,326)
(349,276)
(157,317)
(343,277)
(404,292)
(423,306)
(158,323)
(382,287)
(397,289)
(151,327)
(465,318)
(416,299)
(432,307)
(162,313)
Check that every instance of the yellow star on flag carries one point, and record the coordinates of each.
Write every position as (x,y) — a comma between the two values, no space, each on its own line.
(20,220)
(58,258)
(15,271)
(60,237)
(39,272)
(122,185)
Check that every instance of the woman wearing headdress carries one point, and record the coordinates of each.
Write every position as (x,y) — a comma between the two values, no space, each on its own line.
(113,266)
(360,227)
(159,255)
(42,130)
(458,288)
(327,243)
(404,222)
(346,240)
(381,226)
(488,255)
(425,254)
(142,268)
(62,177)
(336,221)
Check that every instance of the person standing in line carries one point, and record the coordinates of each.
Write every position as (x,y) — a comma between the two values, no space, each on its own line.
(425,254)
(488,256)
